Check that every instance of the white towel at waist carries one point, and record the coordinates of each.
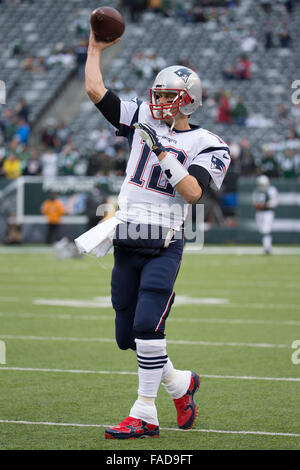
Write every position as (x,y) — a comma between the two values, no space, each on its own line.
(99,239)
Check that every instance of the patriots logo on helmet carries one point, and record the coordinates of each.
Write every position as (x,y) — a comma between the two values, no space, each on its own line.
(183,73)
(217,164)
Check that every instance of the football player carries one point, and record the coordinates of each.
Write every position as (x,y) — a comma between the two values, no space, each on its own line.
(265,200)
(171,163)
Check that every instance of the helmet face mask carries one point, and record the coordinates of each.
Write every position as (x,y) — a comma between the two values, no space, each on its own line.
(170,108)
(187,89)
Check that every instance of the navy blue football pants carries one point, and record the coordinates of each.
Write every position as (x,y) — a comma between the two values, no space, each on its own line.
(142,292)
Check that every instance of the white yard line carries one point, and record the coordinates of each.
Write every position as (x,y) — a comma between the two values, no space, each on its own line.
(70,316)
(105,302)
(190,248)
(219,431)
(116,372)
(110,340)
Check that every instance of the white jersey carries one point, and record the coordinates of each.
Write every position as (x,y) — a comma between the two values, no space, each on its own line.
(269,197)
(146,195)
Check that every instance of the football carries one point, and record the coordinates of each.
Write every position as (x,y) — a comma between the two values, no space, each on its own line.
(107,24)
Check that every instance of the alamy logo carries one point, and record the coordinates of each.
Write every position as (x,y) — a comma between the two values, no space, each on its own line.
(296,354)
(2,92)
(296,94)
(183,73)
(2,353)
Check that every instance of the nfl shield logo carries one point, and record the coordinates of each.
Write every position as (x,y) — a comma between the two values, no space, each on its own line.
(183,73)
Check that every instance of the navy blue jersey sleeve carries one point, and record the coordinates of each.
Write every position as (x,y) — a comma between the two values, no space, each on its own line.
(110,107)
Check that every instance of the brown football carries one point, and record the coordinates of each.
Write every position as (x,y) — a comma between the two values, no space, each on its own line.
(107,23)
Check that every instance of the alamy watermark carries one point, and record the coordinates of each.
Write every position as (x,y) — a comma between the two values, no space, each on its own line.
(2,92)
(296,94)
(296,354)
(159,221)
(2,352)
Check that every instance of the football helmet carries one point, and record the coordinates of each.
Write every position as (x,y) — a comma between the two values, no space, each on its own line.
(262,182)
(187,89)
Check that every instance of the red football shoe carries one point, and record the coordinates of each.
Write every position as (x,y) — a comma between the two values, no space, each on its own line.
(132,428)
(186,407)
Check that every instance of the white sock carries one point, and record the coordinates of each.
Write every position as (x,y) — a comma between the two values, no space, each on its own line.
(176,382)
(144,408)
(267,242)
(151,357)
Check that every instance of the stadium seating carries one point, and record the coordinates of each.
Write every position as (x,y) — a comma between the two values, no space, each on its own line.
(43,29)
(209,47)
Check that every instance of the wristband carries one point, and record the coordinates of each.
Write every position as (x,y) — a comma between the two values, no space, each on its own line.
(158,150)
(173,169)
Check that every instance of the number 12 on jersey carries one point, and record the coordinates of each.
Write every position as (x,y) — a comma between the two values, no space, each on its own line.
(155,176)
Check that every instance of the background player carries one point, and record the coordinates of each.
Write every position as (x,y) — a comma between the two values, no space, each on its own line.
(265,200)
(171,163)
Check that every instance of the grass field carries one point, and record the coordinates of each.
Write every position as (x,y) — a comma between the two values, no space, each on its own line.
(65,380)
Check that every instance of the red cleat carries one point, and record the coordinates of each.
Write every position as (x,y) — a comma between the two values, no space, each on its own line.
(186,407)
(132,428)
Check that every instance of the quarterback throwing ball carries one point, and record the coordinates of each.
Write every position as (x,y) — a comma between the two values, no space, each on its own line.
(171,163)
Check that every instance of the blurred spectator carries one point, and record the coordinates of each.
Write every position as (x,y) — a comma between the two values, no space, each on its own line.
(28,64)
(23,131)
(49,163)
(24,155)
(94,164)
(240,112)
(22,109)
(62,133)
(136,7)
(106,165)
(49,135)
(14,234)
(246,159)
(285,38)
(249,43)
(243,68)
(94,199)
(295,113)
(199,15)
(269,165)
(268,36)
(228,73)
(283,114)
(81,24)
(100,138)
(33,165)
(34,64)
(155,5)
(81,55)
(288,164)
(2,159)
(9,125)
(147,64)
(266,5)
(120,163)
(289,5)
(68,159)
(224,109)
(53,209)
(12,167)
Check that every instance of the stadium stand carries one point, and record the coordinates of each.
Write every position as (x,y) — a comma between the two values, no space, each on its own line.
(244,51)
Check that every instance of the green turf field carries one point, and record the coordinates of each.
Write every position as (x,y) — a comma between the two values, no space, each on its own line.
(64,378)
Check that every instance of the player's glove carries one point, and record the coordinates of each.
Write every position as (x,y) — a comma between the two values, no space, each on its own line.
(149,136)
